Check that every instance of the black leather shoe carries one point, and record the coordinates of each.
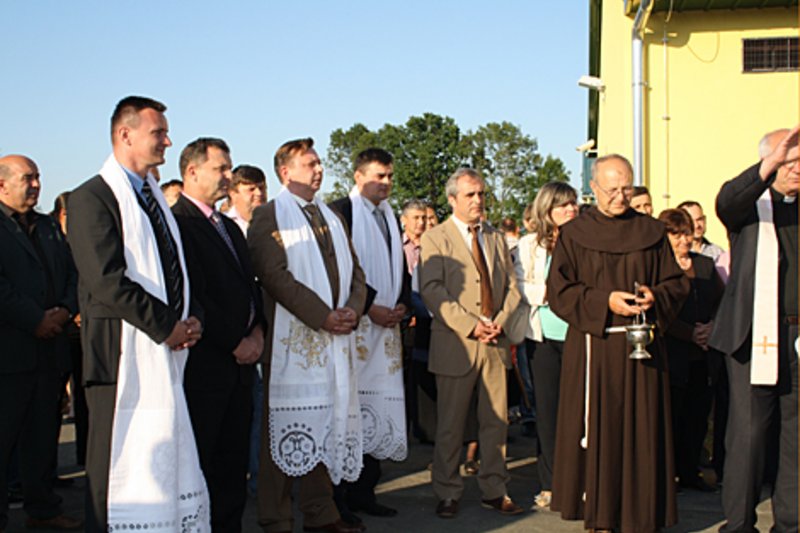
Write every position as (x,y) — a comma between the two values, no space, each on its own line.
(60,522)
(336,527)
(374,509)
(349,517)
(447,508)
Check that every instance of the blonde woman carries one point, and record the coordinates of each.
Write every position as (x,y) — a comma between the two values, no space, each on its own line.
(555,204)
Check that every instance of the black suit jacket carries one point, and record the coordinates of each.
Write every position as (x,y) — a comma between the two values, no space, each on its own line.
(736,208)
(344,206)
(23,290)
(223,287)
(105,294)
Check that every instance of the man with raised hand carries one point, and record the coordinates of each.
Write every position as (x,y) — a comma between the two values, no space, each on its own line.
(756,326)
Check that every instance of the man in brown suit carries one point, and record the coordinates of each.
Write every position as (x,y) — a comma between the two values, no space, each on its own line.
(467,282)
(300,171)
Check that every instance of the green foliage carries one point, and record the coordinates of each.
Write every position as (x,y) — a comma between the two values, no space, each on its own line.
(428,148)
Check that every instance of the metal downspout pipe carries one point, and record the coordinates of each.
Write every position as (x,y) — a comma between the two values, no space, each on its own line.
(645,7)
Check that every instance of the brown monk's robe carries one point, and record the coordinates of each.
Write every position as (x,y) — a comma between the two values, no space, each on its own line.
(627,472)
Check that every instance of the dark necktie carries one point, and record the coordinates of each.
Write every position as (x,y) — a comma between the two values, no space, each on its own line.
(381,221)
(216,221)
(168,250)
(487,309)
(322,233)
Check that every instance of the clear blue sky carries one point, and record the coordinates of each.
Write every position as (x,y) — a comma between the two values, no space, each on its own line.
(258,73)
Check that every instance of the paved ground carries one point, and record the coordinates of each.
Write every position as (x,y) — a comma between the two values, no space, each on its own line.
(406,487)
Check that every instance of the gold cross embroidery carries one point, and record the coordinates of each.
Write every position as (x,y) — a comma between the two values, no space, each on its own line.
(764,344)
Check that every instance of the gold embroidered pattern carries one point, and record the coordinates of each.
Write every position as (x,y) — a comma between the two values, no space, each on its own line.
(391,347)
(361,350)
(307,344)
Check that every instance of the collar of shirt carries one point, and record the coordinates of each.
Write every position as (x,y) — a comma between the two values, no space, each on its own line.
(302,201)
(205,209)
(463,228)
(136,180)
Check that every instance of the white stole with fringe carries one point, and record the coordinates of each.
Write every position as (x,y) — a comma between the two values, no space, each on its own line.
(380,360)
(313,403)
(155,482)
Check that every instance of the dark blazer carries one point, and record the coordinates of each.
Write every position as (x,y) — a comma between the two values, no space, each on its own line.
(344,206)
(23,289)
(106,295)
(223,287)
(736,208)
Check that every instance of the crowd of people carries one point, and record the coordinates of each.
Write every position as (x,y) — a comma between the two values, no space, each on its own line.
(219,343)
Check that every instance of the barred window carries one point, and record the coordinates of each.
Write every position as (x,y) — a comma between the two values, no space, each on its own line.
(770,55)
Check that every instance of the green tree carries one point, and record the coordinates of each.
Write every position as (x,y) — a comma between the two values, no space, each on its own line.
(430,147)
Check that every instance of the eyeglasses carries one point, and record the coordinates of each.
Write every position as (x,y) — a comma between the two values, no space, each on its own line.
(625,191)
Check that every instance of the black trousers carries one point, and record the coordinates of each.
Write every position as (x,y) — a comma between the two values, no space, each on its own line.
(101,400)
(221,424)
(29,406)
(752,410)
(546,369)
(362,491)
(691,405)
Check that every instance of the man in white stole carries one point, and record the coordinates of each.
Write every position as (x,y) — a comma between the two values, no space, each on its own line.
(756,326)
(376,238)
(142,466)
(314,292)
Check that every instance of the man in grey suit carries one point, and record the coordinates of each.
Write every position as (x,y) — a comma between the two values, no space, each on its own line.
(37,300)
(108,296)
(467,282)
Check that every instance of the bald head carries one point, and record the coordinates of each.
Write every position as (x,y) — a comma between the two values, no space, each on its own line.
(770,141)
(19,182)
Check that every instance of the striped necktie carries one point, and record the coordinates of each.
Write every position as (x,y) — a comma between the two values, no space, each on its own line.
(169,253)
(487,309)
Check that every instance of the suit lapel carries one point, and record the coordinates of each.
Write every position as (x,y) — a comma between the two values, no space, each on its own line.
(23,240)
(459,244)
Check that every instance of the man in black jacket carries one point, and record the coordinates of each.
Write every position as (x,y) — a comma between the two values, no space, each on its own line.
(108,295)
(756,326)
(38,298)
(219,372)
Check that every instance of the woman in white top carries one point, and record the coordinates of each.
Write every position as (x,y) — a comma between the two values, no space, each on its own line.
(555,204)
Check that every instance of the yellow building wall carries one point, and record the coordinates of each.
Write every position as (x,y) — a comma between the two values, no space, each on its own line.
(703,116)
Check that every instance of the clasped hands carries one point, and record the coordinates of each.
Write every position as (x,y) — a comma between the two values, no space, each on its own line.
(52,323)
(628,304)
(340,321)
(185,334)
(487,331)
(388,317)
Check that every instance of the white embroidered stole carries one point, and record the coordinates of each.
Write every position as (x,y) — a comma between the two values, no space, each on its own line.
(379,349)
(764,357)
(313,400)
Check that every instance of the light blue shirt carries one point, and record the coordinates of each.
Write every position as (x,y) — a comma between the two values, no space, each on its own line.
(553,327)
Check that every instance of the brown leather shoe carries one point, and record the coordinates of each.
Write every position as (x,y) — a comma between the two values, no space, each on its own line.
(503,505)
(340,526)
(447,508)
(63,522)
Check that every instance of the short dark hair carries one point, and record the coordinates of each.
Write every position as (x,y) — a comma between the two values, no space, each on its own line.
(689,203)
(197,151)
(372,155)
(676,221)
(60,204)
(508,225)
(414,204)
(288,150)
(171,183)
(128,108)
(639,190)
(247,174)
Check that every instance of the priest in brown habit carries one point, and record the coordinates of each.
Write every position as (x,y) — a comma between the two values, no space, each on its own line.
(614,465)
